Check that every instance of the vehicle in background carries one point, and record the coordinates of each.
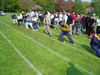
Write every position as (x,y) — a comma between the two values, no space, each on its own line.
(2,13)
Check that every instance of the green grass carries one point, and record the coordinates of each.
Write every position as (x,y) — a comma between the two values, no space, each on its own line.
(40,50)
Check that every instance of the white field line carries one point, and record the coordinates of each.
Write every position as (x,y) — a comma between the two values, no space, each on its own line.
(74,40)
(50,50)
(22,56)
(81,51)
(74,48)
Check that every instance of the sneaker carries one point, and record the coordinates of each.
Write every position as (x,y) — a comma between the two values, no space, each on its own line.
(64,42)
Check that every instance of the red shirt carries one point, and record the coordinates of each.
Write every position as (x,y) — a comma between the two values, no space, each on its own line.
(83,19)
(74,16)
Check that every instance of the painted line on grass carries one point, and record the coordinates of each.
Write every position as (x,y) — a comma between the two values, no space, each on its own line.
(50,50)
(22,56)
(67,45)
(72,47)
(73,39)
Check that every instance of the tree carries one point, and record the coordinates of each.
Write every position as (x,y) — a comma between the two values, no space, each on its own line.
(10,4)
(79,7)
(96,5)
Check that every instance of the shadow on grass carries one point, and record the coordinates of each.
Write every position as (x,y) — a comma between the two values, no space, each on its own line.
(88,48)
(72,70)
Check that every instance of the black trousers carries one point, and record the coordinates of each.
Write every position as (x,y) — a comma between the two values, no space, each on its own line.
(20,20)
(90,30)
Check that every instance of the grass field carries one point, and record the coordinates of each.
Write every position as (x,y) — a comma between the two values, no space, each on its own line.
(26,52)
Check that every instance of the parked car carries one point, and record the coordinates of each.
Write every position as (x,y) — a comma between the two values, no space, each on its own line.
(2,13)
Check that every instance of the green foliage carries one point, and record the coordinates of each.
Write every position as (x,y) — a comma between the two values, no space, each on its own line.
(10,5)
(44,60)
(86,4)
(79,7)
(96,5)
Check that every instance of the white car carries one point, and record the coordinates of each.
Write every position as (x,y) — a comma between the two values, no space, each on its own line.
(2,13)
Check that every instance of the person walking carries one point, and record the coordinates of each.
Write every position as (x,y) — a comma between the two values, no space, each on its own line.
(47,24)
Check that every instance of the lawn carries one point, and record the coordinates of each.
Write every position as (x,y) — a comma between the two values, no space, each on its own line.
(26,52)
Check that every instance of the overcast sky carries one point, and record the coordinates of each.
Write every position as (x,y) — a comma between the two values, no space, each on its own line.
(86,0)
(81,0)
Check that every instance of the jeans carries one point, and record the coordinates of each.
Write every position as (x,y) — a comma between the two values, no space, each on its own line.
(96,49)
(35,25)
(57,25)
(67,34)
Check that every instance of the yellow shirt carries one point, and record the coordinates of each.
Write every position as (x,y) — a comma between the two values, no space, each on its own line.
(65,28)
(97,36)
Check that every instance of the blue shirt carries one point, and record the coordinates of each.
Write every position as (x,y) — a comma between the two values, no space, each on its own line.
(13,16)
(29,19)
(95,40)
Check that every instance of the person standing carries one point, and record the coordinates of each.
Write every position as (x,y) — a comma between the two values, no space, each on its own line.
(91,26)
(82,23)
(65,31)
(65,17)
(74,19)
(98,21)
(87,22)
(56,21)
(77,25)
(47,24)
(70,22)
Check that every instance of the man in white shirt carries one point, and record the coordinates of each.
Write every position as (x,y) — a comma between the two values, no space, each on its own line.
(32,13)
(56,21)
(65,17)
(60,16)
(19,18)
(98,21)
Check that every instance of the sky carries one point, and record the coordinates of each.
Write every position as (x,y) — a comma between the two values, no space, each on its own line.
(81,0)
(86,0)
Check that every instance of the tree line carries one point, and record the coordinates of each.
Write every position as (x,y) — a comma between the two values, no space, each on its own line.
(50,5)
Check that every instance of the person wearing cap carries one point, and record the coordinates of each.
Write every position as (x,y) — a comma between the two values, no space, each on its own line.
(65,31)
(95,42)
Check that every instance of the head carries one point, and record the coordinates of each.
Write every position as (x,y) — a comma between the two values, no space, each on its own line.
(18,14)
(98,31)
(73,12)
(78,16)
(61,22)
(88,15)
(46,13)
(30,10)
(69,14)
(91,16)
(82,15)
